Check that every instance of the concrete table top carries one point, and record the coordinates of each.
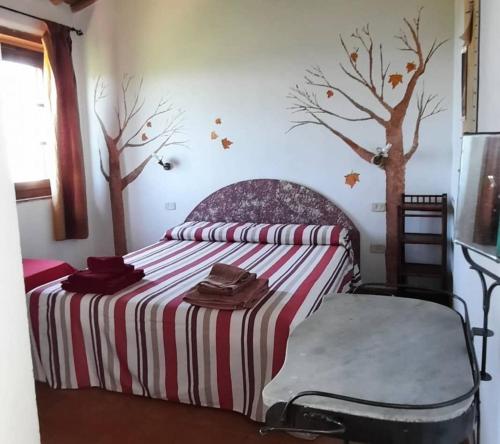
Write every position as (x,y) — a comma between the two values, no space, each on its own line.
(379,348)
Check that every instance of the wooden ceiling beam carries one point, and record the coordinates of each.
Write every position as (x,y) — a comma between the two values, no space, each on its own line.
(78,5)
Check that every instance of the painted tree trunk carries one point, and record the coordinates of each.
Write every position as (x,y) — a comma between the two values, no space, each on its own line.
(117,207)
(395,170)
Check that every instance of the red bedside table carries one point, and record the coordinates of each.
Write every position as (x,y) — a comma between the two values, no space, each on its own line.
(41,271)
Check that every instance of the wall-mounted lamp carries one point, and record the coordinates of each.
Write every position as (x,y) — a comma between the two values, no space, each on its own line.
(382,154)
(165,165)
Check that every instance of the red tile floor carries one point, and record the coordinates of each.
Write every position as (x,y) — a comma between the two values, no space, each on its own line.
(95,416)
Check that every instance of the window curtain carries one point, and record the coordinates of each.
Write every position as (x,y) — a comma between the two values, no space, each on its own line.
(69,201)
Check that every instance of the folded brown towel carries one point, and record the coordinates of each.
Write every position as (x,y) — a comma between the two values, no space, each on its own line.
(210,286)
(226,280)
(94,283)
(108,264)
(246,298)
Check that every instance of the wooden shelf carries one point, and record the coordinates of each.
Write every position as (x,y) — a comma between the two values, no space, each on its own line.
(421,270)
(423,206)
(422,238)
(435,207)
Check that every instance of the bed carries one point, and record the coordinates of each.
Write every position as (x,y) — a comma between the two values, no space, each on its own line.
(146,341)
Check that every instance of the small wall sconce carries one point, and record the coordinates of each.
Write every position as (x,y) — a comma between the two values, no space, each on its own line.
(382,154)
(165,165)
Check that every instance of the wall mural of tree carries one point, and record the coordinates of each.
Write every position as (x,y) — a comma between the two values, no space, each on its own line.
(367,68)
(131,133)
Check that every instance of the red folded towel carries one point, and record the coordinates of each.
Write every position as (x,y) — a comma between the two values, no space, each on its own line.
(244,299)
(108,264)
(84,282)
(85,277)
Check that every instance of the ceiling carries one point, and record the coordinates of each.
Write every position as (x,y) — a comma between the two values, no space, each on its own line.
(76,5)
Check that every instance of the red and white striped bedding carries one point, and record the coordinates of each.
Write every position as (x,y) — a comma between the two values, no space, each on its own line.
(145,340)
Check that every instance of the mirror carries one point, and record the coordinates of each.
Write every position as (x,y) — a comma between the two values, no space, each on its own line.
(478,209)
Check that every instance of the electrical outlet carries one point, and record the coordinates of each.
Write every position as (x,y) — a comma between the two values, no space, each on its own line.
(170,206)
(378,207)
(377,248)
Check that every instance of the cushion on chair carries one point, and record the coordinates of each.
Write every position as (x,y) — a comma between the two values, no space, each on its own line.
(41,271)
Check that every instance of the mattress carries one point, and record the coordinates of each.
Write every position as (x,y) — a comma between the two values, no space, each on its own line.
(145,340)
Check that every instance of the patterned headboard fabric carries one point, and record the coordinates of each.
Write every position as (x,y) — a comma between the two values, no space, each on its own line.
(274,202)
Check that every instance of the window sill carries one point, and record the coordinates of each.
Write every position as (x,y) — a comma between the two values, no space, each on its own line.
(32,199)
(34,190)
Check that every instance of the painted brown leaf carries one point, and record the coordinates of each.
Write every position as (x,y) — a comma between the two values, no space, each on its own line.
(395,80)
(149,124)
(354,56)
(218,121)
(351,179)
(411,66)
(213,135)
(144,137)
(226,143)
(329,94)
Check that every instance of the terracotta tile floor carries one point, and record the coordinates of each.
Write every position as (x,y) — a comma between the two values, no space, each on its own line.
(98,417)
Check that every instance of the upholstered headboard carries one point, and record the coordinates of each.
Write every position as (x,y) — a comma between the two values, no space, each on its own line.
(273,202)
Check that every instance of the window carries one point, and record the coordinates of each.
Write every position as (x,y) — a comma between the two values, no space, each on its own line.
(26,119)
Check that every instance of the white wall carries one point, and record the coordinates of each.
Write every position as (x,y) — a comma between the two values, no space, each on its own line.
(466,282)
(35,218)
(237,61)
(18,414)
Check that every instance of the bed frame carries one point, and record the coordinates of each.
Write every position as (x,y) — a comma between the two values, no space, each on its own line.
(273,202)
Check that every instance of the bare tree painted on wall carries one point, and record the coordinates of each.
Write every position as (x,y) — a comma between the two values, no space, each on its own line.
(131,133)
(375,76)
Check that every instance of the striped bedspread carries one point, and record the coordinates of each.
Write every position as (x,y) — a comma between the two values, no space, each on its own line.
(145,340)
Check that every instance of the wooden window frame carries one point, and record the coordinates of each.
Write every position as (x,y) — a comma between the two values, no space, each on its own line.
(25,48)
(35,189)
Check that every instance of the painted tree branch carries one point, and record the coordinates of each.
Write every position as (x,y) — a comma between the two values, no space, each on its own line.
(323,82)
(98,96)
(415,47)
(163,107)
(358,149)
(366,41)
(304,101)
(384,69)
(423,103)
(134,174)
(103,171)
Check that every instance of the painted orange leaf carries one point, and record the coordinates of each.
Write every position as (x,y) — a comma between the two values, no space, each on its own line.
(213,135)
(395,80)
(329,94)
(354,56)
(410,66)
(144,137)
(148,124)
(218,121)
(351,179)
(226,143)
